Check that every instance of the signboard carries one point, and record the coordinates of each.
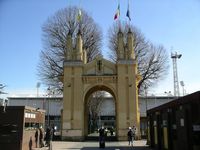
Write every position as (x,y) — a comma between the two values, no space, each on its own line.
(29,115)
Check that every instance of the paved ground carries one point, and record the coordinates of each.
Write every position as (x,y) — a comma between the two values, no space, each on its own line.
(138,145)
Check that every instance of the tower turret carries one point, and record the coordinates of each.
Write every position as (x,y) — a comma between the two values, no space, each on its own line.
(120,45)
(69,47)
(84,56)
(130,44)
(79,46)
(126,52)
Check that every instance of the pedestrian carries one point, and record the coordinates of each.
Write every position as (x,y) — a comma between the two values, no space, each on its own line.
(134,132)
(36,138)
(30,143)
(102,137)
(41,137)
(106,132)
(48,136)
(130,136)
(111,131)
(53,133)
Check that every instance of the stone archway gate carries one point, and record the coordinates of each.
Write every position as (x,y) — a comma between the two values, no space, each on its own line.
(120,79)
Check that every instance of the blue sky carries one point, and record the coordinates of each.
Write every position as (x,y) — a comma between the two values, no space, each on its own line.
(172,23)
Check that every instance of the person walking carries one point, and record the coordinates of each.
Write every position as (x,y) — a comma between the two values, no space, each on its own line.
(130,136)
(48,136)
(134,132)
(30,143)
(52,133)
(41,137)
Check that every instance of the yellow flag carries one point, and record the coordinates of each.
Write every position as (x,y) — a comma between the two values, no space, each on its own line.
(79,15)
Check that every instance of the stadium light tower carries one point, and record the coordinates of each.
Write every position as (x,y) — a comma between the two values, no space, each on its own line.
(175,73)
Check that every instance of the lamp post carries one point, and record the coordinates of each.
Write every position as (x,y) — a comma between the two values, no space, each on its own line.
(48,95)
(146,122)
(38,86)
(183,84)
(145,90)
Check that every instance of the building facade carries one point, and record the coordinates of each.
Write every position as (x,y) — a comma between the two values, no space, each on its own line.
(176,124)
(54,105)
(51,105)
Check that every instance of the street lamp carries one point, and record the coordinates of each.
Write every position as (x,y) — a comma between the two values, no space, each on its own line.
(38,86)
(168,94)
(146,122)
(182,84)
(145,90)
(48,95)
(5,105)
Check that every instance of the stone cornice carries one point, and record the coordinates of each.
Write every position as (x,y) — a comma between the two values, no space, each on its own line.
(100,79)
(73,63)
(126,62)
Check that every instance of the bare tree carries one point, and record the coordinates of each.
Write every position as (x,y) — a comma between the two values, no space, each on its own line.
(94,107)
(2,88)
(55,32)
(152,59)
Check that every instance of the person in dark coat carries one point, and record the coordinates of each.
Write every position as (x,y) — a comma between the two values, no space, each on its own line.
(52,133)
(30,143)
(111,131)
(36,138)
(48,136)
(102,137)
(130,136)
(41,137)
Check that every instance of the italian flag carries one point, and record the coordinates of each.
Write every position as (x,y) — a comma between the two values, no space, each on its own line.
(117,14)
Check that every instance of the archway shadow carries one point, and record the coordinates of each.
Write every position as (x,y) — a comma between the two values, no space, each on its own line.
(117,148)
(114,148)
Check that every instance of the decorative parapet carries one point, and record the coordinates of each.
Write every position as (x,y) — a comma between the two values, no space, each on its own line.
(99,79)
(73,63)
(126,62)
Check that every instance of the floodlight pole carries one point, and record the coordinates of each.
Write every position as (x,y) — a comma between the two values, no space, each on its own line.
(175,72)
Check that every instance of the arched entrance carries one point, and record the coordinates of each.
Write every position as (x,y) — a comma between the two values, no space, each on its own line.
(81,79)
(99,110)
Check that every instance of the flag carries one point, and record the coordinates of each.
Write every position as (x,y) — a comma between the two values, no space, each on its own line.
(117,14)
(79,15)
(128,13)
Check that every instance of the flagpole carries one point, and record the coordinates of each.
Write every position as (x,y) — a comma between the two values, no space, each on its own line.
(119,23)
(69,2)
(79,3)
(128,13)
(80,15)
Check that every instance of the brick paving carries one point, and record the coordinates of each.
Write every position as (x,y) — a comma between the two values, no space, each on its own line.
(63,145)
